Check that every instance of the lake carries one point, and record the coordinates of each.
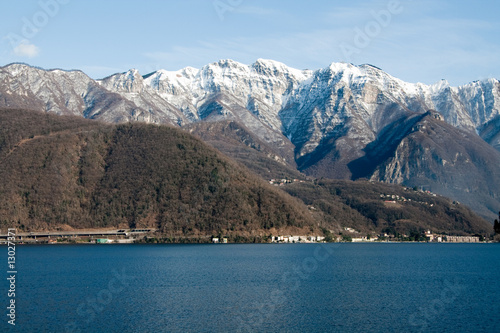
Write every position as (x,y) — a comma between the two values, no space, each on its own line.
(256,288)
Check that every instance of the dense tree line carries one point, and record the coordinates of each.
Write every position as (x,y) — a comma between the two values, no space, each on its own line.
(360,205)
(67,171)
(496,225)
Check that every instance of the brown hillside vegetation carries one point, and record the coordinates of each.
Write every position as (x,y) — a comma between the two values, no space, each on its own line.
(64,170)
(237,142)
(60,171)
(372,206)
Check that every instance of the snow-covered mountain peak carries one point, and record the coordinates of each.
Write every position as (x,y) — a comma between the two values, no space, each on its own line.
(181,76)
(305,104)
(189,72)
(361,75)
(225,66)
(439,86)
(276,68)
(346,74)
(228,63)
(15,69)
(128,82)
(486,83)
(132,74)
(269,63)
(344,69)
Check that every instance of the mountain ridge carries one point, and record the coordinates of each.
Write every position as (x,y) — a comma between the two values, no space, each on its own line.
(324,118)
(67,172)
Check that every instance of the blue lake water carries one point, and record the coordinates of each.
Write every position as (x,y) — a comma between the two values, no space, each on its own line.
(256,288)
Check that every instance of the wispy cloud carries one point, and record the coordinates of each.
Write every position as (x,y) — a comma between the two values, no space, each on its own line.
(26,49)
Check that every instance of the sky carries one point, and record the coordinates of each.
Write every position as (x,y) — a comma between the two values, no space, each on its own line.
(414,40)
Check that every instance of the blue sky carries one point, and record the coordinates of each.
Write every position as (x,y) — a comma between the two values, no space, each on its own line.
(417,41)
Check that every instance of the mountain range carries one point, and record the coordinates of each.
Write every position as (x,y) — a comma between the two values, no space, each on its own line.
(339,122)
(63,172)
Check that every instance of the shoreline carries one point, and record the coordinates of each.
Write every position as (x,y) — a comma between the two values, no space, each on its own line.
(150,236)
(45,243)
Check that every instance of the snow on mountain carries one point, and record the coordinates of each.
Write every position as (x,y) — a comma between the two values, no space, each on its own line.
(331,121)
(56,90)
(227,89)
(343,102)
(131,86)
(481,99)
(65,93)
(258,88)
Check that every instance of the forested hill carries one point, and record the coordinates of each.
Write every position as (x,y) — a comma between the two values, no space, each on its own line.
(63,171)
(58,171)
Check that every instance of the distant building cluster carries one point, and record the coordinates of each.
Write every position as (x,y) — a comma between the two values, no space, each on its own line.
(364,239)
(358,239)
(297,239)
(219,240)
(280,239)
(434,238)
(394,198)
(282,182)
(437,238)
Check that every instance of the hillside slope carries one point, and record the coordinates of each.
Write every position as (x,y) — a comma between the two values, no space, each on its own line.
(59,171)
(369,206)
(439,157)
(322,122)
(240,144)
(67,171)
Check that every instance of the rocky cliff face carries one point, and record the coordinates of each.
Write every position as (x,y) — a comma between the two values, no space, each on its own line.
(73,92)
(343,121)
(253,95)
(433,155)
(308,107)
